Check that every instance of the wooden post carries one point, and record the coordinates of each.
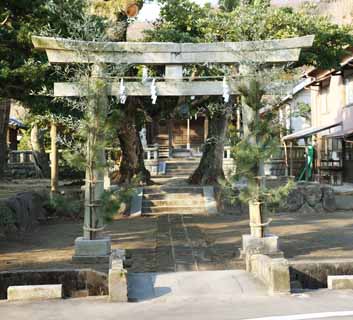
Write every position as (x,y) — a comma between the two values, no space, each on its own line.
(205,129)
(54,172)
(94,187)
(188,146)
(170,137)
(291,172)
(5,106)
(306,159)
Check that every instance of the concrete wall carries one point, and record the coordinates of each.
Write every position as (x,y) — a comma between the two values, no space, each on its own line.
(312,274)
(94,282)
(273,272)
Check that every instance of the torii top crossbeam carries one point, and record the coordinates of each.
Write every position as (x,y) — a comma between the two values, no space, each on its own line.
(173,56)
(147,53)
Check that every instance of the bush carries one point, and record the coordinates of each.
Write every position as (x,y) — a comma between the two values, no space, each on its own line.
(7,216)
(62,206)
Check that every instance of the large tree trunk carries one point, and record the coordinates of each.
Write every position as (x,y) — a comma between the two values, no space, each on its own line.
(40,158)
(4,122)
(132,161)
(210,169)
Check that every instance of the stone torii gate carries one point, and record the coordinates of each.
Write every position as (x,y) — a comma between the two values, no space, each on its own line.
(174,56)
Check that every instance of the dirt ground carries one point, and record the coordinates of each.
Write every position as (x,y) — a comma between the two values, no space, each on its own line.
(12,187)
(205,242)
(175,243)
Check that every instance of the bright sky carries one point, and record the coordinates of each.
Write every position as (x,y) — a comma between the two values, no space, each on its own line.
(150,11)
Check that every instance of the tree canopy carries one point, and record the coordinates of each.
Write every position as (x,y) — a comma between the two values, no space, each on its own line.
(183,20)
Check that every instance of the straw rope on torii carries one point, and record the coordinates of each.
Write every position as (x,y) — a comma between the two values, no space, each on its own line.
(174,56)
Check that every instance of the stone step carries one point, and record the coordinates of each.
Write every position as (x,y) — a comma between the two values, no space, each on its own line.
(183,161)
(174,209)
(173,202)
(173,196)
(161,214)
(179,174)
(35,292)
(181,165)
(168,189)
(185,171)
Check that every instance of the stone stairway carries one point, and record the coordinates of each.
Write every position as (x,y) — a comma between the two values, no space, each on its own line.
(173,195)
(173,200)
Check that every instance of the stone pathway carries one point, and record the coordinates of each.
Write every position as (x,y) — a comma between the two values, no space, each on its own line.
(178,245)
(181,245)
(220,284)
(181,241)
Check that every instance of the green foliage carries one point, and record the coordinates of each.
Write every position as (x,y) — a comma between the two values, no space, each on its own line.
(7,216)
(263,141)
(228,5)
(25,142)
(254,149)
(179,22)
(259,21)
(303,110)
(183,20)
(62,205)
(71,19)
(21,67)
(114,200)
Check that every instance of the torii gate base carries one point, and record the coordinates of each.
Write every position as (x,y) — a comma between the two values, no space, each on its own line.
(92,251)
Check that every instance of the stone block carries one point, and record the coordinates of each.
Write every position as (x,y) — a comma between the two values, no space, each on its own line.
(118,288)
(312,193)
(344,201)
(118,285)
(328,199)
(92,251)
(280,279)
(38,292)
(117,259)
(210,200)
(340,282)
(295,200)
(265,245)
(273,272)
(136,203)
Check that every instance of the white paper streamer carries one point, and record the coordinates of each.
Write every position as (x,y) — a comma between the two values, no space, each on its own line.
(144,74)
(154,91)
(226,90)
(122,92)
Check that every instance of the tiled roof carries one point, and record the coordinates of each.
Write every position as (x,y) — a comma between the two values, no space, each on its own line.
(15,123)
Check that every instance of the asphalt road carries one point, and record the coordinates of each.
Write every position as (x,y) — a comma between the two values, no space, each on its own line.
(191,295)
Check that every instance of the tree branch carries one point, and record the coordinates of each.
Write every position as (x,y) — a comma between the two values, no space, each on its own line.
(5,21)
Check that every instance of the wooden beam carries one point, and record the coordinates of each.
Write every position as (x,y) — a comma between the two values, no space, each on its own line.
(167,88)
(269,51)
